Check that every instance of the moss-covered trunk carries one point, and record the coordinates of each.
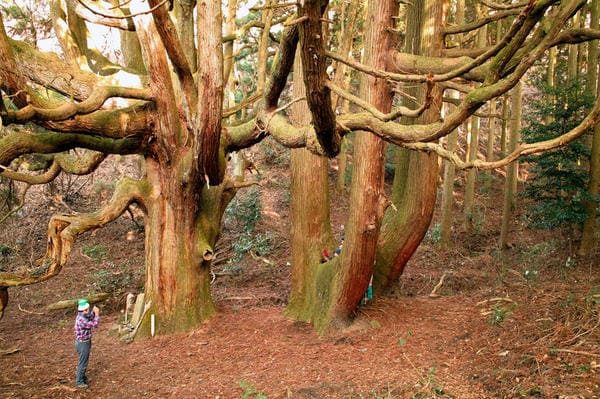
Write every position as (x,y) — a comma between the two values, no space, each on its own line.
(415,182)
(329,293)
(181,232)
(310,226)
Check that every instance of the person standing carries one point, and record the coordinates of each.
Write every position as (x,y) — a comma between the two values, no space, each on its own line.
(84,322)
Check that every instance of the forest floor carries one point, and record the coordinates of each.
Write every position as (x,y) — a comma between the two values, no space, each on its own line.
(520,323)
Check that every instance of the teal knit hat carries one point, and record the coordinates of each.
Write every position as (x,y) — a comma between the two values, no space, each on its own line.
(82,304)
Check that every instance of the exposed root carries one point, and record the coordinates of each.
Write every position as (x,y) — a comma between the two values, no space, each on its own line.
(29,311)
(433,293)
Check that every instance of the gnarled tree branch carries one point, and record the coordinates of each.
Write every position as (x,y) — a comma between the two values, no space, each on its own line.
(62,230)
(69,109)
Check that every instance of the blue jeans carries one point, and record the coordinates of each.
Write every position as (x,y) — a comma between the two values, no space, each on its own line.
(83,350)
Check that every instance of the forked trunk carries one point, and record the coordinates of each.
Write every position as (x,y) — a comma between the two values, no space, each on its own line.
(179,246)
(415,181)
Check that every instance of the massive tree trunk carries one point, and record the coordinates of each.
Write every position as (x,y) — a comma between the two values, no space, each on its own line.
(180,238)
(340,283)
(415,183)
(309,214)
(183,213)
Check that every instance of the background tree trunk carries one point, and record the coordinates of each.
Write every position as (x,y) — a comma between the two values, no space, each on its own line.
(341,286)
(449,167)
(572,70)
(512,168)
(473,147)
(588,236)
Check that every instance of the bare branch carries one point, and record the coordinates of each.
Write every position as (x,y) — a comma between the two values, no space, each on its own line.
(116,16)
(522,150)
(499,6)
(243,30)
(400,111)
(246,102)
(89,15)
(451,30)
(574,36)
(282,65)
(15,144)
(30,179)
(314,66)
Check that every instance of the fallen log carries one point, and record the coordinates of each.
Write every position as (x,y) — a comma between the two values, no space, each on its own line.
(72,303)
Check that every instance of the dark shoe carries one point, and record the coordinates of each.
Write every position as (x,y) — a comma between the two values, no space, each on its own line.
(82,386)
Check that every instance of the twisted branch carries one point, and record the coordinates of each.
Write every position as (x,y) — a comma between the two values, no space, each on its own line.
(63,229)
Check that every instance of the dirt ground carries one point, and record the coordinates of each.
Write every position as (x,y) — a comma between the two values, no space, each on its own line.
(525,323)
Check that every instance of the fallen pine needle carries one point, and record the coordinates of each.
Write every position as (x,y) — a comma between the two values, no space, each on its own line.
(64,387)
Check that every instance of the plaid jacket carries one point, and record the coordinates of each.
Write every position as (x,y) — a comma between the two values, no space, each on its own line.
(84,325)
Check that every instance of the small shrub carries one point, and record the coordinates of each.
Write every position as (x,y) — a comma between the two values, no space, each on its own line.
(275,153)
(243,214)
(5,250)
(498,315)
(97,252)
(558,189)
(434,234)
(108,281)
(250,391)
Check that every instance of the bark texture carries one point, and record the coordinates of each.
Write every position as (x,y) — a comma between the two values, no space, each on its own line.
(513,168)
(310,225)
(415,181)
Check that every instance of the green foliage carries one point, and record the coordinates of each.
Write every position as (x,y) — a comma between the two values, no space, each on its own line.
(97,252)
(250,391)
(107,280)
(434,234)
(560,176)
(274,153)
(29,20)
(499,313)
(259,244)
(430,388)
(5,250)
(404,339)
(246,211)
